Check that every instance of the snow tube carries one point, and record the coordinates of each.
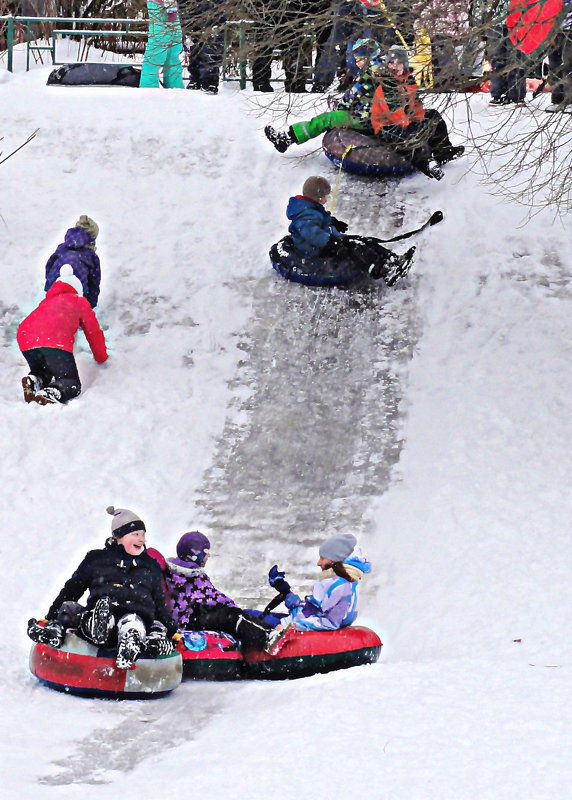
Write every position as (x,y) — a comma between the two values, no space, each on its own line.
(314,271)
(303,654)
(80,668)
(366,156)
(85,74)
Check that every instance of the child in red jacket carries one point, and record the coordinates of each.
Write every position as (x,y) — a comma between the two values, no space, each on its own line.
(46,338)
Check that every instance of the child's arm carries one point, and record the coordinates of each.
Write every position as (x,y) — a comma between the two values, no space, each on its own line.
(73,589)
(93,333)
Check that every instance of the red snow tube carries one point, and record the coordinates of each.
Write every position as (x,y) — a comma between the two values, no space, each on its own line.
(80,668)
(216,656)
(532,23)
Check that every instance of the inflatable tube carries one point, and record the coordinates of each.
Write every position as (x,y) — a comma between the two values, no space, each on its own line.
(313,271)
(210,656)
(85,74)
(367,156)
(303,654)
(80,668)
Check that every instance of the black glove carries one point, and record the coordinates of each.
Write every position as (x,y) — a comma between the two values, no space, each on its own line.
(276,580)
(332,246)
(339,225)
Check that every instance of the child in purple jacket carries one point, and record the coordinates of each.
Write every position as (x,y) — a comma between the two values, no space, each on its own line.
(196,604)
(78,250)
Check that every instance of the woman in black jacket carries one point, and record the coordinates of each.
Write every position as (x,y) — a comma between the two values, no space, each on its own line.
(126,603)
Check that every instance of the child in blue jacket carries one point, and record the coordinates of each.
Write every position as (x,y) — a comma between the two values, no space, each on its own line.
(316,233)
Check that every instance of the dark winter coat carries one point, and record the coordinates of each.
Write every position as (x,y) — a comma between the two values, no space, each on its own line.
(310,226)
(133,584)
(55,322)
(190,589)
(76,252)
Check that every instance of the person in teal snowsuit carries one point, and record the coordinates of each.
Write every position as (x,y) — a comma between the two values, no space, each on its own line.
(164,46)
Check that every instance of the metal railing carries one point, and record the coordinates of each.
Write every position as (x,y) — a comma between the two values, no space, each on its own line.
(69,30)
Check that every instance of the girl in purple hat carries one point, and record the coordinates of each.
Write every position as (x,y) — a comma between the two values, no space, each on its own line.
(198,605)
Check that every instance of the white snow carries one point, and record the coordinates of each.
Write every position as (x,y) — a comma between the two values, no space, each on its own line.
(471,590)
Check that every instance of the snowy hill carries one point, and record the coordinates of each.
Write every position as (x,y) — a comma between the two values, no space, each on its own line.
(432,420)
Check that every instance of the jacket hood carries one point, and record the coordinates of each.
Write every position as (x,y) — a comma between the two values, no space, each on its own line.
(299,203)
(178,567)
(76,238)
(60,287)
(357,559)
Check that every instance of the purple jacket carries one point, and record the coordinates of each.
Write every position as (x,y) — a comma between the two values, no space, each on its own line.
(190,588)
(75,251)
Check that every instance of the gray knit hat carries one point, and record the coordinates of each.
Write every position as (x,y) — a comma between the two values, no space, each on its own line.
(339,547)
(316,187)
(124,521)
(398,53)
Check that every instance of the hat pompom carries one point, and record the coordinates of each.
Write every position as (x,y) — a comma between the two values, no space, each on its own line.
(67,276)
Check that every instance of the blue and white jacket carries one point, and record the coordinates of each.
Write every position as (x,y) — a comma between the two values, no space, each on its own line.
(310,225)
(333,602)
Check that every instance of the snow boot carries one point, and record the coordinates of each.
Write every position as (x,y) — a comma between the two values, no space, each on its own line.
(98,623)
(48,395)
(30,385)
(280,139)
(277,638)
(263,86)
(52,633)
(434,170)
(157,643)
(396,267)
(129,649)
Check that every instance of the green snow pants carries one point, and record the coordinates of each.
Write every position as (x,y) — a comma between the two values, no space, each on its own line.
(164,46)
(304,131)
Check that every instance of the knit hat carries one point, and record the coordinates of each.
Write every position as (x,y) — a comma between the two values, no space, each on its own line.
(398,53)
(124,521)
(67,276)
(316,187)
(339,547)
(365,48)
(89,225)
(191,549)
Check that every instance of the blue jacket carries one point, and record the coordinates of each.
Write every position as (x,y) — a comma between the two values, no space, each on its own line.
(310,226)
(76,252)
(333,602)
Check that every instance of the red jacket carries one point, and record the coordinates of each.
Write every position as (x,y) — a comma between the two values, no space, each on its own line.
(395,102)
(54,323)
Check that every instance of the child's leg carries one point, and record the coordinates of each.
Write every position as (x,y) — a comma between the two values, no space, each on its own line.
(131,633)
(97,624)
(250,632)
(304,131)
(61,364)
(172,68)
(38,366)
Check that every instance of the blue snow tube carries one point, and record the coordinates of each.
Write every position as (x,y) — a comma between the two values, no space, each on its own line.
(367,155)
(314,271)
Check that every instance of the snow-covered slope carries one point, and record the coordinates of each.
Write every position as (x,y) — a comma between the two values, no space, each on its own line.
(433,420)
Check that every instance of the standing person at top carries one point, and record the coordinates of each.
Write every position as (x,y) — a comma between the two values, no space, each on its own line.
(399,118)
(334,598)
(164,47)
(353,111)
(125,605)
(196,604)
(315,232)
(46,338)
(203,29)
(78,250)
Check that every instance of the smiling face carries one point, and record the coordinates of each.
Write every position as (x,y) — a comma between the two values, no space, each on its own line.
(133,542)
(397,68)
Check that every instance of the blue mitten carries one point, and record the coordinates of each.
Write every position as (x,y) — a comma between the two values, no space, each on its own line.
(276,580)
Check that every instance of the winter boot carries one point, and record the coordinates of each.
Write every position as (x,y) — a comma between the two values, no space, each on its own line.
(277,638)
(129,648)
(396,267)
(98,623)
(263,86)
(48,395)
(449,154)
(157,643)
(280,139)
(52,633)
(30,385)
(210,88)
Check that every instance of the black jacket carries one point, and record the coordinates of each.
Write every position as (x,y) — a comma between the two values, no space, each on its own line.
(132,583)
